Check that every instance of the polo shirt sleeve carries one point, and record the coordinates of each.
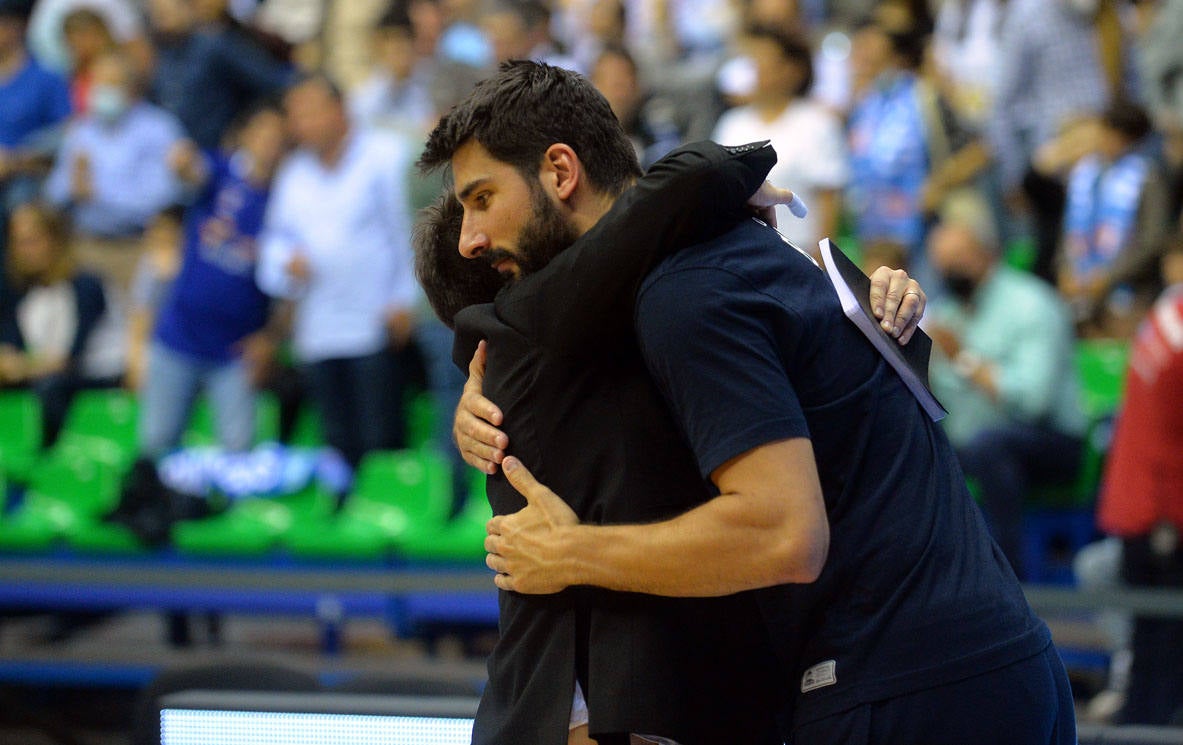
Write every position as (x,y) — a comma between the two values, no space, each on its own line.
(717,348)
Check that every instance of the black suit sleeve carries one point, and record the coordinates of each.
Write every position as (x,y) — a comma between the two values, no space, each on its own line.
(695,193)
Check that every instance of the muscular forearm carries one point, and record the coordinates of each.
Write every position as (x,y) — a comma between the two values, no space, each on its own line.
(767,527)
(725,546)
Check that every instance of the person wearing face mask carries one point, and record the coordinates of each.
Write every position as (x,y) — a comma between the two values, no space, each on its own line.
(1003,366)
(111,172)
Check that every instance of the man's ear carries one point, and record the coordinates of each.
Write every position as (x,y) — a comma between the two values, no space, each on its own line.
(561,170)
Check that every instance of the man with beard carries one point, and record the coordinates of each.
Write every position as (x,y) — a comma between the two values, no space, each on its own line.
(694,670)
(838,505)
(682,199)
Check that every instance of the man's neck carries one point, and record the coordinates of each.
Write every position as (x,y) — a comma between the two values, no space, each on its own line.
(592,206)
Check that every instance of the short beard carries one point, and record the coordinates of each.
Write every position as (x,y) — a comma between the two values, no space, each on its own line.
(545,236)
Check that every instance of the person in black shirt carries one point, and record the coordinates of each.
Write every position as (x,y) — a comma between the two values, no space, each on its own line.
(837,500)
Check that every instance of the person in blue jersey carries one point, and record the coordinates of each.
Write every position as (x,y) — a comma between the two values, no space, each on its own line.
(211,331)
(893,615)
(34,104)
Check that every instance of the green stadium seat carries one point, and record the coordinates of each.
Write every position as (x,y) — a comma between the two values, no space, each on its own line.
(307,431)
(97,537)
(1020,253)
(462,539)
(20,434)
(253,525)
(421,420)
(63,494)
(101,426)
(1101,365)
(397,496)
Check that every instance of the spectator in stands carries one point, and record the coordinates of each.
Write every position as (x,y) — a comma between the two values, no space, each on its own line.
(520,29)
(87,38)
(211,333)
(160,260)
(966,52)
(462,40)
(592,28)
(58,332)
(1004,369)
(33,105)
(121,17)
(810,147)
(908,151)
(1160,58)
(112,170)
(397,94)
(1141,498)
(170,27)
(1115,222)
(336,241)
(226,71)
(1052,70)
(647,120)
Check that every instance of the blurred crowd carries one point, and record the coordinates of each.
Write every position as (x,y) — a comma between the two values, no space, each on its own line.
(195,200)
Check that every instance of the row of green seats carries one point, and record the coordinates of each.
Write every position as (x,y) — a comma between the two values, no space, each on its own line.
(69,486)
(398,507)
(399,504)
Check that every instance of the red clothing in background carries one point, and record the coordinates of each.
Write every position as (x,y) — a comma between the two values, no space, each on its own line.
(1143,482)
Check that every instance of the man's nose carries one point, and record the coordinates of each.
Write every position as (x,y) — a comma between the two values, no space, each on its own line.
(473,243)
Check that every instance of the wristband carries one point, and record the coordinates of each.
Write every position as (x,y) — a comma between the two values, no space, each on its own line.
(797,207)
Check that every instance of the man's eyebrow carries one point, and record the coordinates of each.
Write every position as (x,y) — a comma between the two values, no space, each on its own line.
(470,187)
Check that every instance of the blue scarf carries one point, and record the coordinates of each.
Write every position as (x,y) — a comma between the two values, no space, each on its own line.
(1102,210)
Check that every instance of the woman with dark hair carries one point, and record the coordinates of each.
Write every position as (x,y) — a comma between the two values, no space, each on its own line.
(57,331)
(808,137)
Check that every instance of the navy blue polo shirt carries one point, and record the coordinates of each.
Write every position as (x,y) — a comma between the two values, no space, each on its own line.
(748,345)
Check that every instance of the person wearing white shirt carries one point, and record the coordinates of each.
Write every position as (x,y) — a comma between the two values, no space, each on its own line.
(808,137)
(336,242)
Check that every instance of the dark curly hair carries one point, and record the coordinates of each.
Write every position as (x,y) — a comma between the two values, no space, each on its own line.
(525,108)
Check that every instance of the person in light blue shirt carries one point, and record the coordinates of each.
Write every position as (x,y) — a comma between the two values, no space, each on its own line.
(1004,369)
(336,240)
(112,170)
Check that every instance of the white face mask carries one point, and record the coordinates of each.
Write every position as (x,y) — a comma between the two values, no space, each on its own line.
(108,102)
